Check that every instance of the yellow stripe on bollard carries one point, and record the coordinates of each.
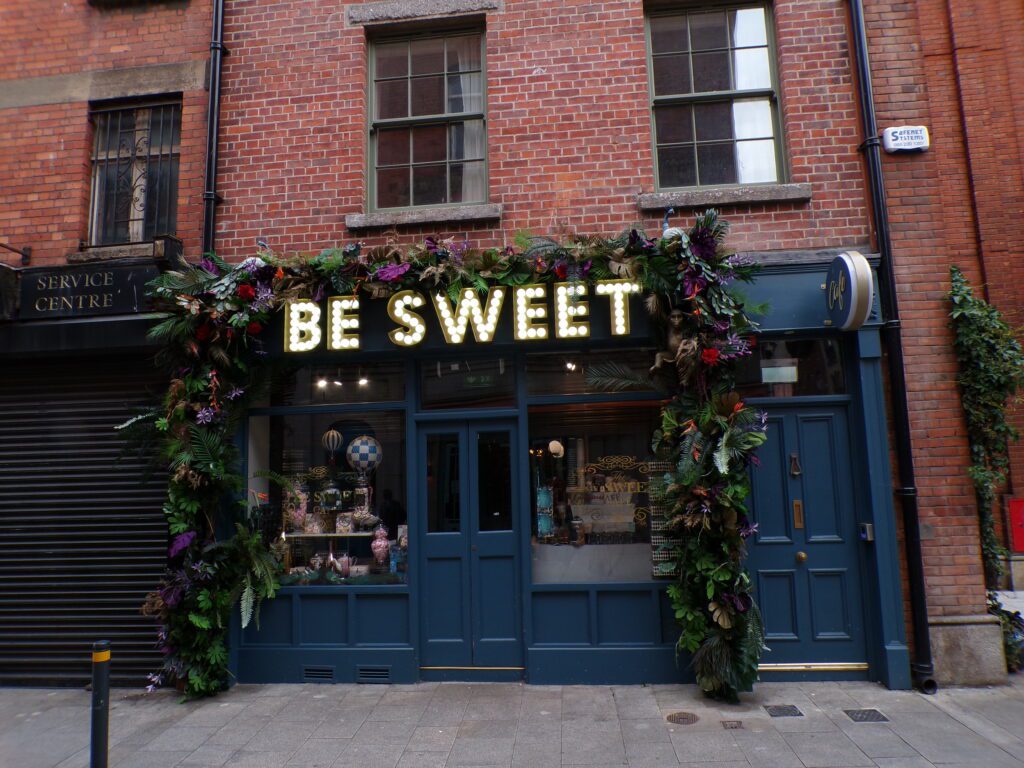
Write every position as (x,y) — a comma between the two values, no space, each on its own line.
(98,656)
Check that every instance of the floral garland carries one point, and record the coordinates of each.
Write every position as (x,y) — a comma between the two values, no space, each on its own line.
(214,315)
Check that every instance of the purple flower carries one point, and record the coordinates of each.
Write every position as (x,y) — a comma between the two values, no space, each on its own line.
(637,239)
(693,282)
(741,602)
(252,264)
(391,273)
(318,296)
(180,543)
(746,528)
(235,393)
(205,416)
(703,244)
(209,266)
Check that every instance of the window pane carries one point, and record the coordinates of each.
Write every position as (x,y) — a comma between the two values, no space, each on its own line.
(392,60)
(714,120)
(465,93)
(711,71)
(393,146)
(323,384)
(676,166)
(467,182)
(707,31)
(752,70)
(668,34)
(748,27)
(466,140)
(590,469)
(428,143)
(756,161)
(752,119)
(467,384)
(463,53)
(673,124)
(792,368)
(671,74)
(429,184)
(427,95)
(717,163)
(427,56)
(332,505)
(565,373)
(393,187)
(494,465)
(444,503)
(161,197)
(392,99)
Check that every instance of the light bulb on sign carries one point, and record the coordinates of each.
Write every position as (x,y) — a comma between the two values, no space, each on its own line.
(301,326)
(618,292)
(413,329)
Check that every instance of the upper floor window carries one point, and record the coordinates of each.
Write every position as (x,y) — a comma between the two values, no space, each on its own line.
(134,173)
(713,98)
(428,143)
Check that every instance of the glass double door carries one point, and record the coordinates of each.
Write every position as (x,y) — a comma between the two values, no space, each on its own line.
(470,607)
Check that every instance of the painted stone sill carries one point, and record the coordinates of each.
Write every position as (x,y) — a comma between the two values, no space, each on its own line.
(480,212)
(733,195)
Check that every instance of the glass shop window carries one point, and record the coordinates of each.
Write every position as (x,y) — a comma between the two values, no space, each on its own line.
(590,473)
(468,383)
(792,368)
(332,486)
(566,373)
(321,384)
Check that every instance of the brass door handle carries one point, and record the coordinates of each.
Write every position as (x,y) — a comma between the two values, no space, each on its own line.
(801,557)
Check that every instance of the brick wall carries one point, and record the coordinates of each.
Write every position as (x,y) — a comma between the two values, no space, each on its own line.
(45,148)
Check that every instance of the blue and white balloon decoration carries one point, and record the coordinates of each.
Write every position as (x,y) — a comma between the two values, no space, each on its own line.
(364,453)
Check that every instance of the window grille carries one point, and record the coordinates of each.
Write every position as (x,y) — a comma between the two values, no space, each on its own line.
(134,173)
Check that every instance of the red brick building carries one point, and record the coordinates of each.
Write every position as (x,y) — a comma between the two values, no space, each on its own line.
(482,118)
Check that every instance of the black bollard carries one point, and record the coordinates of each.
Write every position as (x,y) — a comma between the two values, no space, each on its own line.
(100,704)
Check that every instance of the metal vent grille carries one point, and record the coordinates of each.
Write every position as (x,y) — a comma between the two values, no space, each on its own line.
(782,710)
(866,716)
(318,674)
(373,674)
(82,538)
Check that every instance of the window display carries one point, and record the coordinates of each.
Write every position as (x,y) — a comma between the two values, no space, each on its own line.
(591,473)
(339,490)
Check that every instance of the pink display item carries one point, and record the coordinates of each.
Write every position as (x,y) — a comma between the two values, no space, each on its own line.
(380,545)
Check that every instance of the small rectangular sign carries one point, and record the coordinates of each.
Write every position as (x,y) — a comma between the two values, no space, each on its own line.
(905,138)
(83,291)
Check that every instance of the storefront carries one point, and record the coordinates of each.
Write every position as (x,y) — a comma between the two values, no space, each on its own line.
(477,509)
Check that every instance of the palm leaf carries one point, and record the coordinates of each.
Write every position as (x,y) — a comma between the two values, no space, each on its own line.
(610,376)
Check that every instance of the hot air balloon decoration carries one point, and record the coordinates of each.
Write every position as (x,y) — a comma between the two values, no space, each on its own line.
(331,442)
(364,454)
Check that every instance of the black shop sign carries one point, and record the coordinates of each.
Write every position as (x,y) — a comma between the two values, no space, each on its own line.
(83,291)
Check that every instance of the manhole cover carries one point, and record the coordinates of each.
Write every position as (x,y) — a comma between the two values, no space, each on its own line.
(782,710)
(732,725)
(682,718)
(866,716)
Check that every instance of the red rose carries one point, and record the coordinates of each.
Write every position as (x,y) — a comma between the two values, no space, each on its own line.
(246,292)
(561,271)
(710,356)
(203,332)
(253,328)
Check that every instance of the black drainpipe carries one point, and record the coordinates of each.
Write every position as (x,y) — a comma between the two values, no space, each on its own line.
(210,196)
(921,668)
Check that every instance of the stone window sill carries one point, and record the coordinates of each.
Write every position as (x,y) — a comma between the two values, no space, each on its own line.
(162,247)
(439,215)
(739,194)
(404,10)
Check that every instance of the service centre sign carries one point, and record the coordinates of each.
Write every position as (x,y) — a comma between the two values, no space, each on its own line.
(905,138)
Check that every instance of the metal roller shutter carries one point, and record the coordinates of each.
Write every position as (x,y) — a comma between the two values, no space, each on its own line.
(82,537)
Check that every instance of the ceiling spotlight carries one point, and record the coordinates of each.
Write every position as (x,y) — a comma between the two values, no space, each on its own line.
(337,383)
(363,382)
(322,383)
(570,365)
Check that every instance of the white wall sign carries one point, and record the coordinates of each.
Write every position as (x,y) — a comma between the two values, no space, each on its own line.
(906,138)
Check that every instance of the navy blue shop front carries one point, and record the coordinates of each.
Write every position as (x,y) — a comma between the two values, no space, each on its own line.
(486,595)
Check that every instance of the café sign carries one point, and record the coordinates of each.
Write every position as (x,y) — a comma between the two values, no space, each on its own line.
(540,312)
(850,291)
(83,291)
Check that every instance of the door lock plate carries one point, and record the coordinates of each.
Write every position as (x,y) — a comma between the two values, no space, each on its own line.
(798,513)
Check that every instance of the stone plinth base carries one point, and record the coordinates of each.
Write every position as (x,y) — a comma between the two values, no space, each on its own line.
(967,650)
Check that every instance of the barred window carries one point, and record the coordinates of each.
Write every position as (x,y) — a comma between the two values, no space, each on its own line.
(134,173)
(428,143)
(713,98)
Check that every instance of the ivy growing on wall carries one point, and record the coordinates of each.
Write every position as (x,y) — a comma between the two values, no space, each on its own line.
(991,372)
(213,318)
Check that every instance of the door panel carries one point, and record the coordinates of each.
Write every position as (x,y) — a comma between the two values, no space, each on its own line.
(471,609)
(804,557)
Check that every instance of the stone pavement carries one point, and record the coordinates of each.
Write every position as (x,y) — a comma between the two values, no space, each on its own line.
(433,725)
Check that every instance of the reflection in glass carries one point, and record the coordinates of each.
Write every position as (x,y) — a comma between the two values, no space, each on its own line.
(565,373)
(444,510)
(314,385)
(467,383)
(494,465)
(792,368)
(748,28)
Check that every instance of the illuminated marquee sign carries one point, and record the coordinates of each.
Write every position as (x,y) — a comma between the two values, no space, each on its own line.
(307,326)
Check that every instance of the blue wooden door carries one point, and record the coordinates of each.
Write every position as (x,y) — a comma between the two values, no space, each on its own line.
(804,556)
(470,607)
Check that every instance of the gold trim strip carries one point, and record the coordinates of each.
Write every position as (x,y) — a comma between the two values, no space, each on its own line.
(481,669)
(822,666)
(98,657)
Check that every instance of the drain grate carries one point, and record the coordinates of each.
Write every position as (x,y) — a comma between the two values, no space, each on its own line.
(682,718)
(782,710)
(318,674)
(866,716)
(732,725)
